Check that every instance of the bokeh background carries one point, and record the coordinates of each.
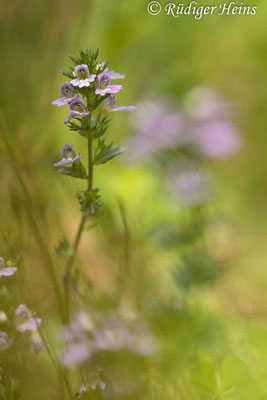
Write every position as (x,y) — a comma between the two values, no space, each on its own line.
(160,56)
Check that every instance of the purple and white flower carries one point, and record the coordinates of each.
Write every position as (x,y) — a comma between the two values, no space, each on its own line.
(6,271)
(5,341)
(77,109)
(67,94)
(24,319)
(110,104)
(69,156)
(103,85)
(84,79)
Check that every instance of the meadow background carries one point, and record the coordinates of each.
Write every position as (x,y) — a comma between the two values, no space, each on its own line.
(219,349)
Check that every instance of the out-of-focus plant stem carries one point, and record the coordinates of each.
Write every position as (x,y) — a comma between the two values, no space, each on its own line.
(58,368)
(70,262)
(77,239)
(124,270)
(35,228)
(90,161)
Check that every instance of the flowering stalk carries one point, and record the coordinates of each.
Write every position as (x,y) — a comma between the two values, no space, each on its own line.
(91,83)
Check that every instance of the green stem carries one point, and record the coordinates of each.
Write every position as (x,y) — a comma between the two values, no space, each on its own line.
(90,161)
(70,262)
(71,259)
(37,234)
(56,364)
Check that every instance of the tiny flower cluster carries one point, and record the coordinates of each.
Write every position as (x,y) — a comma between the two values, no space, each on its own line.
(102,87)
(185,137)
(94,383)
(24,319)
(109,333)
(89,89)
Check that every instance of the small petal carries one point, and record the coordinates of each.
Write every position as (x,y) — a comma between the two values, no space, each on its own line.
(114,88)
(61,102)
(124,108)
(84,83)
(31,325)
(75,82)
(113,74)
(66,161)
(8,271)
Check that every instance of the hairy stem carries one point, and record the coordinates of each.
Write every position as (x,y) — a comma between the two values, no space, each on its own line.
(71,259)
(90,161)
(70,262)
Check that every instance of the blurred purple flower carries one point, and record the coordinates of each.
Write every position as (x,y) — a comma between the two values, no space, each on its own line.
(103,85)
(110,104)
(158,127)
(5,341)
(6,271)
(114,334)
(192,186)
(78,328)
(77,109)
(84,78)
(67,94)
(69,156)
(76,353)
(217,139)
(78,344)
(214,133)
(202,103)
(111,333)
(24,319)
(203,126)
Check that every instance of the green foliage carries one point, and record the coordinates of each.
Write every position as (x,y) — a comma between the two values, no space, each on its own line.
(64,248)
(105,152)
(100,127)
(196,268)
(89,201)
(88,57)
(82,128)
(76,170)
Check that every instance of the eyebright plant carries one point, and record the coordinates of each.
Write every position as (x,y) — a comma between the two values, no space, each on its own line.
(90,96)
